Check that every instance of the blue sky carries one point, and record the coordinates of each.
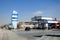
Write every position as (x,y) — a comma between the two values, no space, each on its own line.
(28,8)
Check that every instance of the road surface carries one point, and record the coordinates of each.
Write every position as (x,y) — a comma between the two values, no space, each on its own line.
(40,34)
(30,35)
(9,35)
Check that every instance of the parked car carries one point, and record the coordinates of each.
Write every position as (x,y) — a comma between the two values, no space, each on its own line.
(27,29)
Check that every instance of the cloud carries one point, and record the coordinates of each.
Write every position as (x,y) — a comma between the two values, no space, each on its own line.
(37,12)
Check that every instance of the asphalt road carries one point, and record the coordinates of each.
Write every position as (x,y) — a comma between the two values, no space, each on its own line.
(40,34)
(9,35)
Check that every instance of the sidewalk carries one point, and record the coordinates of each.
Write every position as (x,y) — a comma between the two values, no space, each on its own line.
(9,35)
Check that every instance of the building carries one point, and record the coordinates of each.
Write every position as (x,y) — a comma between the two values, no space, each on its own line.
(23,25)
(43,21)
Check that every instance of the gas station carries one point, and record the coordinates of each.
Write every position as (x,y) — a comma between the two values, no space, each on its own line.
(44,22)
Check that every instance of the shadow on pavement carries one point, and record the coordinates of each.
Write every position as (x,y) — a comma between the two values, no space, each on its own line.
(52,35)
(47,35)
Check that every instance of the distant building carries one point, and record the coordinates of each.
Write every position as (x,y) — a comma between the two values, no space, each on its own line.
(23,25)
(43,21)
